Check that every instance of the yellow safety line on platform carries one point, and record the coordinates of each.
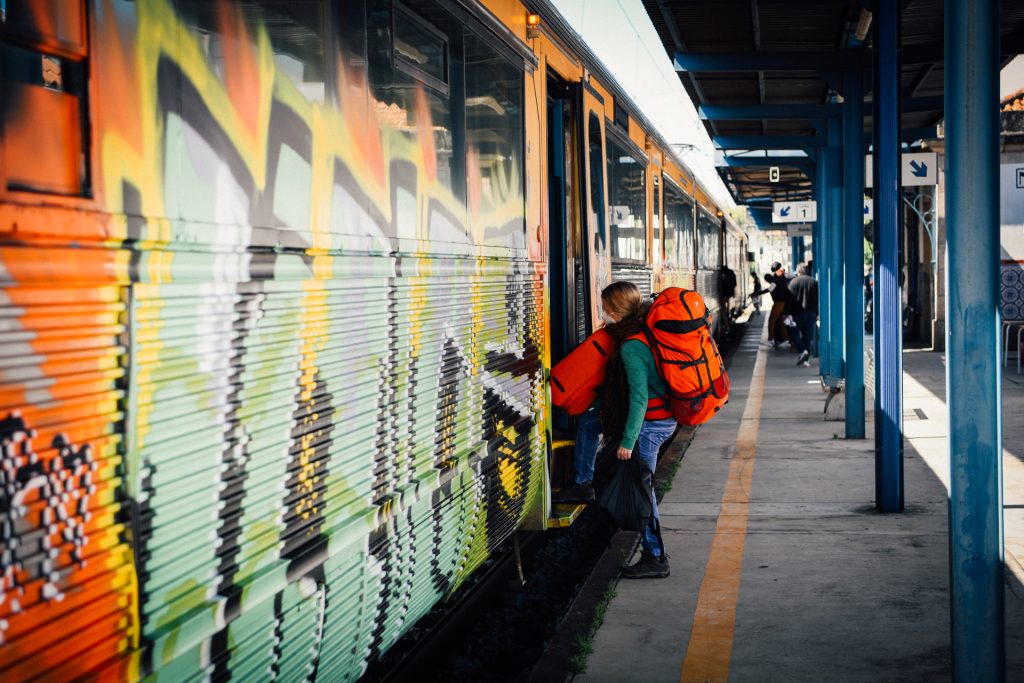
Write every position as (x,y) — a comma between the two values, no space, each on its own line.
(710,648)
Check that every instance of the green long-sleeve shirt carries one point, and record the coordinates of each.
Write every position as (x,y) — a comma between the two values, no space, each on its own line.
(644,384)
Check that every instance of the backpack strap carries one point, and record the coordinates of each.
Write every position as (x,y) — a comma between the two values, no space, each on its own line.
(657,407)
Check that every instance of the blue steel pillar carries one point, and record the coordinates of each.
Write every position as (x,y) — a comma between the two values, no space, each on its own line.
(853,249)
(888,225)
(836,314)
(972,341)
(815,239)
(821,258)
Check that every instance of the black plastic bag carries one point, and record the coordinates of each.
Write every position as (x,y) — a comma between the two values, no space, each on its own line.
(627,497)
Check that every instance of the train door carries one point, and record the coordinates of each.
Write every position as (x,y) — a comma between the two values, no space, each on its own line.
(567,254)
(599,261)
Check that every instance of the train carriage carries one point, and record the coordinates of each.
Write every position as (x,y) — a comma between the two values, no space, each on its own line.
(280,284)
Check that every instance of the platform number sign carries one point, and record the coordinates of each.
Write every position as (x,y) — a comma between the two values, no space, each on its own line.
(1020,178)
(773,174)
(794,212)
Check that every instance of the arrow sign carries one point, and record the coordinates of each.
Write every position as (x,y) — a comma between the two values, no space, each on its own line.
(794,212)
(869,209)
(917,168)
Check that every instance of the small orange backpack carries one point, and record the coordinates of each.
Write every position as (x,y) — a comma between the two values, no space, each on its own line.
(678,332)
(577,377)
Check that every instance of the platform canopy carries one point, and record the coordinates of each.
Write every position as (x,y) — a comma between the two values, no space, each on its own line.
(766,76)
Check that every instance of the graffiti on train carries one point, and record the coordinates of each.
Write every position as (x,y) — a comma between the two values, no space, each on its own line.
(286,391)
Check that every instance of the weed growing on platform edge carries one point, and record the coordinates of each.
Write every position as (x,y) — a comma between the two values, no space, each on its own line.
(585,644)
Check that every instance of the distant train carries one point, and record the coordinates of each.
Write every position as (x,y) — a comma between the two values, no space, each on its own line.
(281,284)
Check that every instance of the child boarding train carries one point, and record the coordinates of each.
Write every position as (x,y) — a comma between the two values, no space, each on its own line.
(281,282)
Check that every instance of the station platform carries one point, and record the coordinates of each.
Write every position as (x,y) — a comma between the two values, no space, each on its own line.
(781,568)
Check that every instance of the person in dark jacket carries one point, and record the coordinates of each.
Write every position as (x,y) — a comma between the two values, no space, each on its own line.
(804,290)
(780,294)
(757,292)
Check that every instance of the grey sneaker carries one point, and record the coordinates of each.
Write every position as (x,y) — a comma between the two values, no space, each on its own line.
(647,567)
(577,493)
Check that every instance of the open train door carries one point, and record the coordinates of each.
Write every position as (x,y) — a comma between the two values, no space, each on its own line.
(577,243)
(568,268)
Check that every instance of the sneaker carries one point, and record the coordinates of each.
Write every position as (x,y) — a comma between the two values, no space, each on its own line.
(647,567)
(784,345)
(806,364)
(802,358)
(767,344)
(577,493)
(788,321)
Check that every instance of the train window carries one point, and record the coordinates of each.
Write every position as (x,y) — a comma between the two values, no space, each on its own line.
(709,231)
(621,116)
(296,30)
(419,49)
(43,112)
(403,103)
(678,228)
(656,217)
(494,140)
(596,161)
(627,201)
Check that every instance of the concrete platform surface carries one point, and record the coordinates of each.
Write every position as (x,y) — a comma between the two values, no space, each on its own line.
(781,568)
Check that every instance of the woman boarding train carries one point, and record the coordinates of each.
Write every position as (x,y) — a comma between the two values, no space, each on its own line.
(659,368)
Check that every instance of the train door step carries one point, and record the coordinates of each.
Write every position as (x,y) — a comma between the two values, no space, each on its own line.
(564,514)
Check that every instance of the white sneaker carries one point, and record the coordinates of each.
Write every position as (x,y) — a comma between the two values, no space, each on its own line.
(788,321)
(802,358)
(806,364)
(766,344)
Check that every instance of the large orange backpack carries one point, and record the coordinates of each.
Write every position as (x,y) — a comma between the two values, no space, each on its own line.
(678,332)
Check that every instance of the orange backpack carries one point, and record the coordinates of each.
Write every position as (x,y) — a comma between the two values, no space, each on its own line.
(576,378)
(678,332)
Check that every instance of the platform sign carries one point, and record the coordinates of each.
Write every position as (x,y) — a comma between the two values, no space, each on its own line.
(869,209)
(800,230)
(918,168)
(794,212)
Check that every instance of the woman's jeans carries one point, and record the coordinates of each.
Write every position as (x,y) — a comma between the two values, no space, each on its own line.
(588,438)
(652,435)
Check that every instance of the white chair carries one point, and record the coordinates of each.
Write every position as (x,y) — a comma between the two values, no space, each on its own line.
(1008,326)
(1020,337)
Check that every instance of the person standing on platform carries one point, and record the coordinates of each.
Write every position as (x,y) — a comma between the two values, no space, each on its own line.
(755,297)
(779,289)
(804,289)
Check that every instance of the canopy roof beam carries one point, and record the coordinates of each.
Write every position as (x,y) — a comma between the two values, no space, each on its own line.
(768,142)
(771,61)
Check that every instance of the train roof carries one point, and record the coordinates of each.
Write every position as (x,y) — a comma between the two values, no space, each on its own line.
(552,18)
